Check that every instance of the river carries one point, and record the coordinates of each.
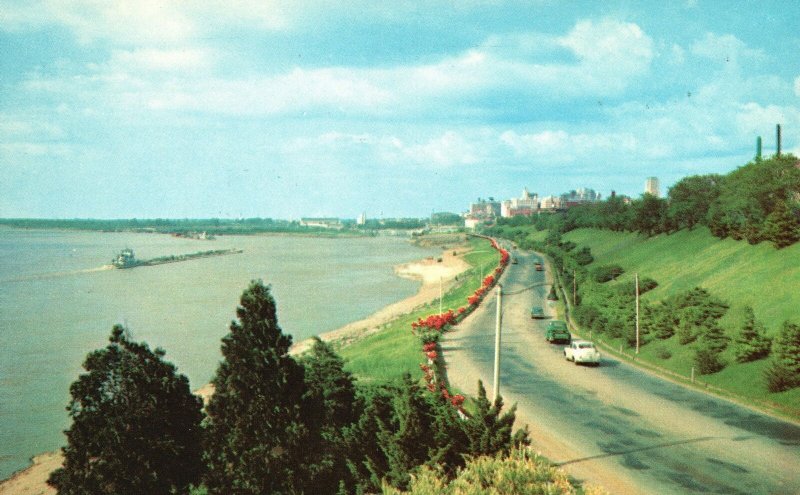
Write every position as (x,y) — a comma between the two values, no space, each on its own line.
(58,302)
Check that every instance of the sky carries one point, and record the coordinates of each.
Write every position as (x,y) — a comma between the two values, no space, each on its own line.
(286,109)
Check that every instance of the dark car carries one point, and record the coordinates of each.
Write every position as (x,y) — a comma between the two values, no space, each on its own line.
(539,266)
(557,331)
(537,312)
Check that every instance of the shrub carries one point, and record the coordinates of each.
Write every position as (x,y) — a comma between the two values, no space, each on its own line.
(605,273)
(707,361)
(784,373)
(663,353)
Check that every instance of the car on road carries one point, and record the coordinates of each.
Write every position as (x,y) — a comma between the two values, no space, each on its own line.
(537,312)
(539,266)
(514,261)
(557,331)
(582,351)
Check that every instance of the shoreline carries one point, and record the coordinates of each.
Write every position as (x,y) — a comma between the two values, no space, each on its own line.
(32,480)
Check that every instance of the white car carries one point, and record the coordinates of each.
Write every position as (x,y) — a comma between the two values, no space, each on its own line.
(582,351)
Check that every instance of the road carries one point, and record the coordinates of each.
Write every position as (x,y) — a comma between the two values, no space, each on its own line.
(616,425)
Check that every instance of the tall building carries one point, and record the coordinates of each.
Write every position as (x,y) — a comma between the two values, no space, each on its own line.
(651,187)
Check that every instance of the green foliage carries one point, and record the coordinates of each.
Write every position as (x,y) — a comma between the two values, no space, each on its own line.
(605,273)
(690,199)
(752,342)
(329,410)
(404,427)
(784,371)
(707,361)
(256,437)
(136,425)
(490,432)
(520,472)
(752,194)
(650,214)
(584,256)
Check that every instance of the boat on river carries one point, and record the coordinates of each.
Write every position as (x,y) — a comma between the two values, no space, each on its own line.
(127,259)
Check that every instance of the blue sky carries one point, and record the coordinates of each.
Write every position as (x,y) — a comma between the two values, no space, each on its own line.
(327,108)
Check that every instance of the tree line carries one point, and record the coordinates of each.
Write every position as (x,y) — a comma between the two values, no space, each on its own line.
(275,423)
(757,202)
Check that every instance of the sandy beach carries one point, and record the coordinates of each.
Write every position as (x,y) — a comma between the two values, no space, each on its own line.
(430,271)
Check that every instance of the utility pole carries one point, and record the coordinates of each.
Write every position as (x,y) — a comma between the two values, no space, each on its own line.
(574,286)
(637,313)
(440,294)
(498,324)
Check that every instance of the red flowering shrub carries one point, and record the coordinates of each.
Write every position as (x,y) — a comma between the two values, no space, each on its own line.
(432,355)
(430,346)
(488,281)
(457,400)
(461,310)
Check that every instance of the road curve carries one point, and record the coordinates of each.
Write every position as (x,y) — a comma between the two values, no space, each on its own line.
(616,425)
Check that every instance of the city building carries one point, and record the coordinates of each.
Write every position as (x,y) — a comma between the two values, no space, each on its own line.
(651,187)
(485,208)
(550,203)
(362,219)
(526,204)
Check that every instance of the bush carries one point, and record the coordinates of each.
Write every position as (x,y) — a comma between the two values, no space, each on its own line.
(784,372)
(663,353)
(605,273)
(708,361)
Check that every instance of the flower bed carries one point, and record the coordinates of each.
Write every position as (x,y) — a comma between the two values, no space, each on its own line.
(430,329)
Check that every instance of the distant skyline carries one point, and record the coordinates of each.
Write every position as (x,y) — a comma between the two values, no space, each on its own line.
(290,109)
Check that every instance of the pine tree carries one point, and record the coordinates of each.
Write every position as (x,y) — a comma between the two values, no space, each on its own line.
(784,373)
(751,343)
(136,425)
(782,226)
(490,432)
(328,413)
(256,437)
(409,445)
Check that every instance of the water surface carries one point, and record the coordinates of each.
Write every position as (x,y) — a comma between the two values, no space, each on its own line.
(57,303)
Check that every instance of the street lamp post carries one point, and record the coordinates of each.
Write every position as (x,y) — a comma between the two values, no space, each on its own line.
(498,325)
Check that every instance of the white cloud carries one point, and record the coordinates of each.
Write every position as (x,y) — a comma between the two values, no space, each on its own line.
(725,48)
(151,59)
(146,22)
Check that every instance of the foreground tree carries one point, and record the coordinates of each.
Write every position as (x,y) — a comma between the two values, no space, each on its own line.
(136,425)
(256,436)
(329,413)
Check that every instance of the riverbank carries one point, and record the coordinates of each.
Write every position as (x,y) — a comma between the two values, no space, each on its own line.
(430,271)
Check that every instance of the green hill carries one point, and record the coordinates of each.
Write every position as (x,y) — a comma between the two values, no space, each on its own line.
(736,272)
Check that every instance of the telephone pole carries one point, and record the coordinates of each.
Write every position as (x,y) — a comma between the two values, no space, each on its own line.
(637,313)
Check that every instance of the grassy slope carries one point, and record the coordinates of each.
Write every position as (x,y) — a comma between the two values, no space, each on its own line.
(388,354)
(759,276)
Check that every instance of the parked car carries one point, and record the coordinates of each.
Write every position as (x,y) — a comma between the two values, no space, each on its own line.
(537,312)
(582,351)
(514,261)
(539,266)
(557,331)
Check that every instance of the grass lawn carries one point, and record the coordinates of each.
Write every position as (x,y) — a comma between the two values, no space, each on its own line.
(386,355)
(760,276)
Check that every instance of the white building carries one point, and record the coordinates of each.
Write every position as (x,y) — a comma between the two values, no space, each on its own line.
(526,204)
(651,186)
(550,203)
(362,219)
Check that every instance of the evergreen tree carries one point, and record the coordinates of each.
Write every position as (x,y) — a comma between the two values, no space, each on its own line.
(256,436)
(136,425)
(751,343)
(708,357)
(782,226)
(784,373)
(410,444)
(490,432)
(328,413)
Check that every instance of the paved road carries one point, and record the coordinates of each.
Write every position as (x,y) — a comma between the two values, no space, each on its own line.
(615,425)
